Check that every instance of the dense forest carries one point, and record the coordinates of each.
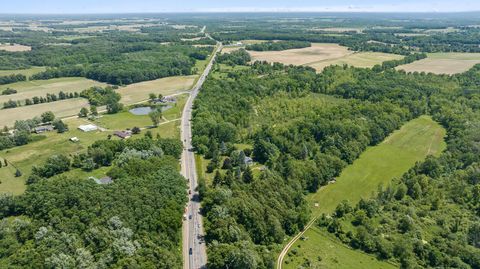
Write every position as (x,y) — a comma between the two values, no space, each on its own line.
(67,222)
(279,45)
(303,143)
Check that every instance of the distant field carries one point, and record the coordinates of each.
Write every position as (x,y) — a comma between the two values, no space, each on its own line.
(29,89)
(14,47)
(138,92)
(443,63)
(27,72)
(64,108)
(377,165)
(358,59)
(317,52)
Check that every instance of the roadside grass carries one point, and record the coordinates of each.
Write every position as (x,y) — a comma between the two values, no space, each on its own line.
(358,59)
(443,63)
(377,166)
(321,250)
(27,72)
(40,88)
(139,92)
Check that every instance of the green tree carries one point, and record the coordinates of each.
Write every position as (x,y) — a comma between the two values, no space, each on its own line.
(93,110)
(83,112)
(47,116)
(155,116)
(60,126)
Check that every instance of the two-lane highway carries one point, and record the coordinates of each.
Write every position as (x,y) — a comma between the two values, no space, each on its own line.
(194,250)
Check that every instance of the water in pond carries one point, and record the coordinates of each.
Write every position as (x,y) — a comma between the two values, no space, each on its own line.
(144,110)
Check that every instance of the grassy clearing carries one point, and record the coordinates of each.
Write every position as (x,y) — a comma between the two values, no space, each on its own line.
(61,109)
(317,52)
(378,165)
(358,59)
(29,89)
(27,72)
(325,251)
(443,63)
(138,92)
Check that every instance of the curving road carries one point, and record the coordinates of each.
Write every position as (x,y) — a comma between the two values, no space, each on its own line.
(194,250)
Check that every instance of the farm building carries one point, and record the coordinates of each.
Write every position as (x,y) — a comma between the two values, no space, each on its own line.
(74,139)
(123,134)
(43,129)
(88,128)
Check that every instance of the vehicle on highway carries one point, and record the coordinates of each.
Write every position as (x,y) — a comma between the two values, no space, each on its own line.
(190,251)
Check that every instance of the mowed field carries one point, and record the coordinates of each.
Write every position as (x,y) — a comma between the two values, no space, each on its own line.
(443,63)
(321,55)
(138,92)
(27,72)
(40,88)
(61,109)
(377,165)
(357,59)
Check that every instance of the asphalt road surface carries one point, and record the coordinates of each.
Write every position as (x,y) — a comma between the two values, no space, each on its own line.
(194,250)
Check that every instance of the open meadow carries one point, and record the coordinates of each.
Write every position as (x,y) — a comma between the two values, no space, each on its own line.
(378,165)
(138,92)
(14,47)
(443,63)
(61,109)
(40,88)
(357,59)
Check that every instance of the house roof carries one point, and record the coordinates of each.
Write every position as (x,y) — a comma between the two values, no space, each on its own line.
(88,127)
(123,134)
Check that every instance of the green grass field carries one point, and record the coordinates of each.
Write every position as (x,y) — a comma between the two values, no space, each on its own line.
(27,72)
(378,165)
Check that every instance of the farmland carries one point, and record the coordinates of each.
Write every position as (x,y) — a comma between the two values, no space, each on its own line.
(26,72)
(443,63)
(376,166)
(40,88)
(358,59)
(63,108)
(138,92)
(14,47)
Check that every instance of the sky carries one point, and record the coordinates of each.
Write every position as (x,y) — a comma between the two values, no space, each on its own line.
(141,6)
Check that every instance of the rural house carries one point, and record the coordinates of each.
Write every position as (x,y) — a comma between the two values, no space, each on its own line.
(43,129)
(123,134)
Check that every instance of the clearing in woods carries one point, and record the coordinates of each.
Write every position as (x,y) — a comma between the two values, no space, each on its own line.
(40,88)
(357,59)
(378,165)
(14,47)
(443,63)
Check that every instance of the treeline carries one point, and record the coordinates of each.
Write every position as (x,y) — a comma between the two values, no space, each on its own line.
(49,97)
(429,217)
(237,57)
(61,225)
(394,63)
(279,45)
(12,79)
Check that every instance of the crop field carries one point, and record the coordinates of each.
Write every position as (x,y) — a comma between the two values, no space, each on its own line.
(14,47)
(138,92)
(443,63)
(35,153)
(378,165)
(358,59)
(64,108)
(29,89)
(27,72)
(317,52)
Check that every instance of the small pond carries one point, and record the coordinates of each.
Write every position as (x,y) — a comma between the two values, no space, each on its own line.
(144,110)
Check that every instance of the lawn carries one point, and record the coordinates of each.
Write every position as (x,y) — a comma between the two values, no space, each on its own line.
(358,59)
(27,72)
(138,92)
(29,89)
(443,63)
(378,165)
